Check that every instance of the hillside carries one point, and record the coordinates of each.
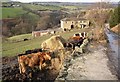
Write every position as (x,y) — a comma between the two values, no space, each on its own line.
(50,13)
(5,0)
(30,17)
(42,7)
(12,12)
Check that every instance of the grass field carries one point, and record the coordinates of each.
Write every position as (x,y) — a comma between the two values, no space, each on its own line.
(42,7)
(12,12)
(20,37)
(13,48)
(70,7)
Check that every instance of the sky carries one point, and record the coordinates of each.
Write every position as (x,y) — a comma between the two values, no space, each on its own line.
(66,0)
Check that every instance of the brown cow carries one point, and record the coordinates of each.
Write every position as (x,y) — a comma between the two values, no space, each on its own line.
(74,41)
(75,38)
(31,60)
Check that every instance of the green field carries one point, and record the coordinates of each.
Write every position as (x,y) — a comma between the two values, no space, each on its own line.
(12,12)
(70,7)
(11,48)
(20,37)
(17,11)
(42,7)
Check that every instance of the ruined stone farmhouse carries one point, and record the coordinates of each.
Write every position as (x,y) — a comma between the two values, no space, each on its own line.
(70,23)
(44,32)
(41,33)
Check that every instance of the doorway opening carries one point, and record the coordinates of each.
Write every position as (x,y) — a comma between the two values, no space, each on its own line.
(72,26)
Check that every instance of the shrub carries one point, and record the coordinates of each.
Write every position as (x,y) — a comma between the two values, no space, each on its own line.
(115,17)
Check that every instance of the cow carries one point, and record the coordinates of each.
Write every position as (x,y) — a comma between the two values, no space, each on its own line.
(32,60)
(33,51)
(75,38)
(75,41)
(53,43)
(25,39)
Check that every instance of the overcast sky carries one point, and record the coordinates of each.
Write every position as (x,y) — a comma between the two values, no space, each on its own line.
(66,0)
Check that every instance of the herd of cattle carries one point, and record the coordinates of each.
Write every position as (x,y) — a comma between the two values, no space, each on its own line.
(38,57)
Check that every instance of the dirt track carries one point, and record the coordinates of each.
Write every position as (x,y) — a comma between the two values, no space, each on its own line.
(10,71)
(92,65)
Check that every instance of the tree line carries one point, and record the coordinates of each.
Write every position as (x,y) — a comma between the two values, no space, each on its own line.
(115,16)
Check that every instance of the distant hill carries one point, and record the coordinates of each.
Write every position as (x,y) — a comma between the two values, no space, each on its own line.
(5,0)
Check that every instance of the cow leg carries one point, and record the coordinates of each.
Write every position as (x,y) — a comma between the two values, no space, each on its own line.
(23,68)
(73,46)
(40,64)
(20,68)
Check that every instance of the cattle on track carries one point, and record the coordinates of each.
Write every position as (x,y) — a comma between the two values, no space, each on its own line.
(32,60)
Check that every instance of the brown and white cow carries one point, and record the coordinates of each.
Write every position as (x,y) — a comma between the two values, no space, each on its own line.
(32,60)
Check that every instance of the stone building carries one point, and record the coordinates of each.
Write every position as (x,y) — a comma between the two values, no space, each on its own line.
(39,33)
(70,23)
(42,32)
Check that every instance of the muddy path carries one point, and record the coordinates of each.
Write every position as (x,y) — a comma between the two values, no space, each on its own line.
(10,72)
